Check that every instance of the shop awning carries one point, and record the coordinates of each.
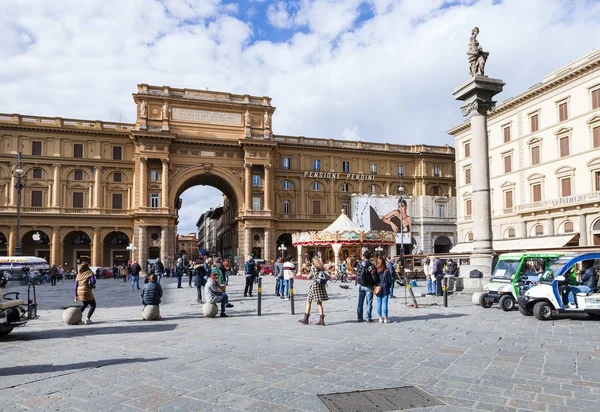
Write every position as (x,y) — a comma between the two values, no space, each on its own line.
(530,243)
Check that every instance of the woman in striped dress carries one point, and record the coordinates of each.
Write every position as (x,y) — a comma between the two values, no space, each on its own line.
(316,293)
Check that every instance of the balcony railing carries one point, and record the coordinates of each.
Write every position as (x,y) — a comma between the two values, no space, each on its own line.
(33,209)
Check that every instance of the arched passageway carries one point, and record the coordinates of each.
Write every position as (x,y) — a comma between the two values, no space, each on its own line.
(115,249)
(36,243)
(77,249)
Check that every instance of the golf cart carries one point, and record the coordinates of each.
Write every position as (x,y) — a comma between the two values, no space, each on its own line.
(546,299)
(514,273)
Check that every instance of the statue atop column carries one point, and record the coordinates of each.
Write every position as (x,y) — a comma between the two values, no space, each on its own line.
(477,57)
(165,111)
(247,118)
(144,109)
(267,120)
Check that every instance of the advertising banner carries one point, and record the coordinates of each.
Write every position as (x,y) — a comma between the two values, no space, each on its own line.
(377,212)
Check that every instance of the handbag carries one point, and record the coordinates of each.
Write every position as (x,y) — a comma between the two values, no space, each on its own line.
(378,290)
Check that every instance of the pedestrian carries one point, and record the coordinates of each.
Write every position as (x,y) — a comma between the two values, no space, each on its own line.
(438,272)
(428,276)
(250,272)
(289,270)
(278,276)
(384,288)
(179,272)
(494,260)
(124,272)
(53,275)
(227,269)
(316,292)
(367,279)
(158,269)
(152,292)
(135,275)
(390,267)
(216,294)
(84,283)
(200,275)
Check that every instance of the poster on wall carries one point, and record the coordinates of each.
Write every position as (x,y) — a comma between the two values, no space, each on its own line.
(372,212)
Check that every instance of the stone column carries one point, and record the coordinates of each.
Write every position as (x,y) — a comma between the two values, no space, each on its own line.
(97,188)
(302,211)
(268,188)
(268,245)
(523,230)
(13,192)
(55,247)
(142,247)
(143,188)
(247,241)
(164,244)
(96,260)
(550,227)
(56,200)
(134,185)
(165,183)
(12,241)
(583,233)
(332,210)
(477,94)
(248,186)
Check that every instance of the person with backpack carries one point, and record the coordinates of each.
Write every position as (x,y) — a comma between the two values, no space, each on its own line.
(317,291)
(249,272)
(152,292)
(382,291)
(366,277)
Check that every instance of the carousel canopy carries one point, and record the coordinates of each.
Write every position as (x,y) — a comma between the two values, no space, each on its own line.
(344,231)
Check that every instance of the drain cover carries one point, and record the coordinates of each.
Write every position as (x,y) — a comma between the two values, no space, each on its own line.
(379,400)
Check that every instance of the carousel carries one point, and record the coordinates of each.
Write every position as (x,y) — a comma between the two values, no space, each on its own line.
(343,235)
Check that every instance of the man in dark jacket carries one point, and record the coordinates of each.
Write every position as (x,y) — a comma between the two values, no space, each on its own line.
(452,268)
(250,272)
(158,269)
(588,282)
(437,270)
(135,275)
(53,275)
(152,291)
(366,277)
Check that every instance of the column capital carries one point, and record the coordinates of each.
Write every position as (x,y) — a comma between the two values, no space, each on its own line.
(143,159)
(248,165)
(267,167)
(479,105)
(56,166)
(164,161)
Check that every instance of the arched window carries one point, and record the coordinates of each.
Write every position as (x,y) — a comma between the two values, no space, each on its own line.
(510,232)
(568,227)
(539,230)
(469,237)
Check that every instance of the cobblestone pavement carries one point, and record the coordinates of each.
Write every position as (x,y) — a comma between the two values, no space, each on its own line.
(468,357)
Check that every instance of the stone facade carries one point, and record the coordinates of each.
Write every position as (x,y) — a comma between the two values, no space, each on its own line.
(101,185)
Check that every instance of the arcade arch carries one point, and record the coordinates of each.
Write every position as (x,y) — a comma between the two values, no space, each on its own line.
(36,243)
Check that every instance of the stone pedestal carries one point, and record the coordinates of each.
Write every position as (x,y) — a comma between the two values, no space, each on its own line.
(477,94)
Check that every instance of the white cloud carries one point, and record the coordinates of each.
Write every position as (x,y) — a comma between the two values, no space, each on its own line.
(351,133)
(391,77)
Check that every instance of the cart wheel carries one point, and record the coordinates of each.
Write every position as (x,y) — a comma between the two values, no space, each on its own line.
(525,312)
(507,303)
(6,332)
(542,311)
(483,303)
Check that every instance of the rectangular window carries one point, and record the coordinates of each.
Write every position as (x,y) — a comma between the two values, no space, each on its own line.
(596,136)
(565,187)
(255,180)
(154,200)
(508,199)
(346,167)
(117,201)
(564,146)
(533,123)
(316,207)
(373,168)
(468,207)
(596,99)
(563,113)
(597,181)
(344,187)
(286,185)
(436,171)
(506,132)
(78,175)
(36,148)
(442,211)
(37,173)
(400,170)
(256,203)
(536,192)
(317,165)
(467,149)
(346,208)
(286,163)
(539,230)
(77,150)
(286,207)
(36,198)
(467,176)
(507,164)
(118,177)
(117,153)
(78,200)
(535,155)
(154,175)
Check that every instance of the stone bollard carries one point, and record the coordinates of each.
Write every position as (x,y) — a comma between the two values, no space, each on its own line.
(150,312)
(72,315)
(210,310)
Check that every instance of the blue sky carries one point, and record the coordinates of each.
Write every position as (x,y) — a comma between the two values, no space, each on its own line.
(371,70)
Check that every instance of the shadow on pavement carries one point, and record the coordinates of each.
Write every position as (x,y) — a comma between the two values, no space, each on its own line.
(400,319)
(86,330)
(48,368)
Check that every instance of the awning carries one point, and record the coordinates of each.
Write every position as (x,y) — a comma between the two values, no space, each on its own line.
(529,243)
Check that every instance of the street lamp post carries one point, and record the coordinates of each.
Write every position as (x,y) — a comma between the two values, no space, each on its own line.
(282,249)
(402,272)
(379,249)
(132,249)
(18,174)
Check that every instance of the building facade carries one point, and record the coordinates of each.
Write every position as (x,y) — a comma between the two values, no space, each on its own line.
(93,187)
(544,163)
(188,245)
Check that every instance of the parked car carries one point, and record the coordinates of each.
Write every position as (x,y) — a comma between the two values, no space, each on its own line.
(102,272)
(265,268)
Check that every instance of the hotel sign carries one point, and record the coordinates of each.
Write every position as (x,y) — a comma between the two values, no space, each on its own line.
(339,176)
(206,116)
(576,199)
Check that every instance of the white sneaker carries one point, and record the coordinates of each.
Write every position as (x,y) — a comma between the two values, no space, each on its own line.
(572,305)
(386,321)
(88,321)
(380,320)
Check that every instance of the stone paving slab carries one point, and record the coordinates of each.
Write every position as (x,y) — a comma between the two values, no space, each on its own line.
(472,359)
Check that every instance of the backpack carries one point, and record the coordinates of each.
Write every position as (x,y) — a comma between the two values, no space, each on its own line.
(364,275)
(322,278)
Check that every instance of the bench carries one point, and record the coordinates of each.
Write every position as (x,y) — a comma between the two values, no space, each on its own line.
(6,302)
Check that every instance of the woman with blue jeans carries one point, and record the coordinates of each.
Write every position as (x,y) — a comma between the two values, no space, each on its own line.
(385,282)
(288,275)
